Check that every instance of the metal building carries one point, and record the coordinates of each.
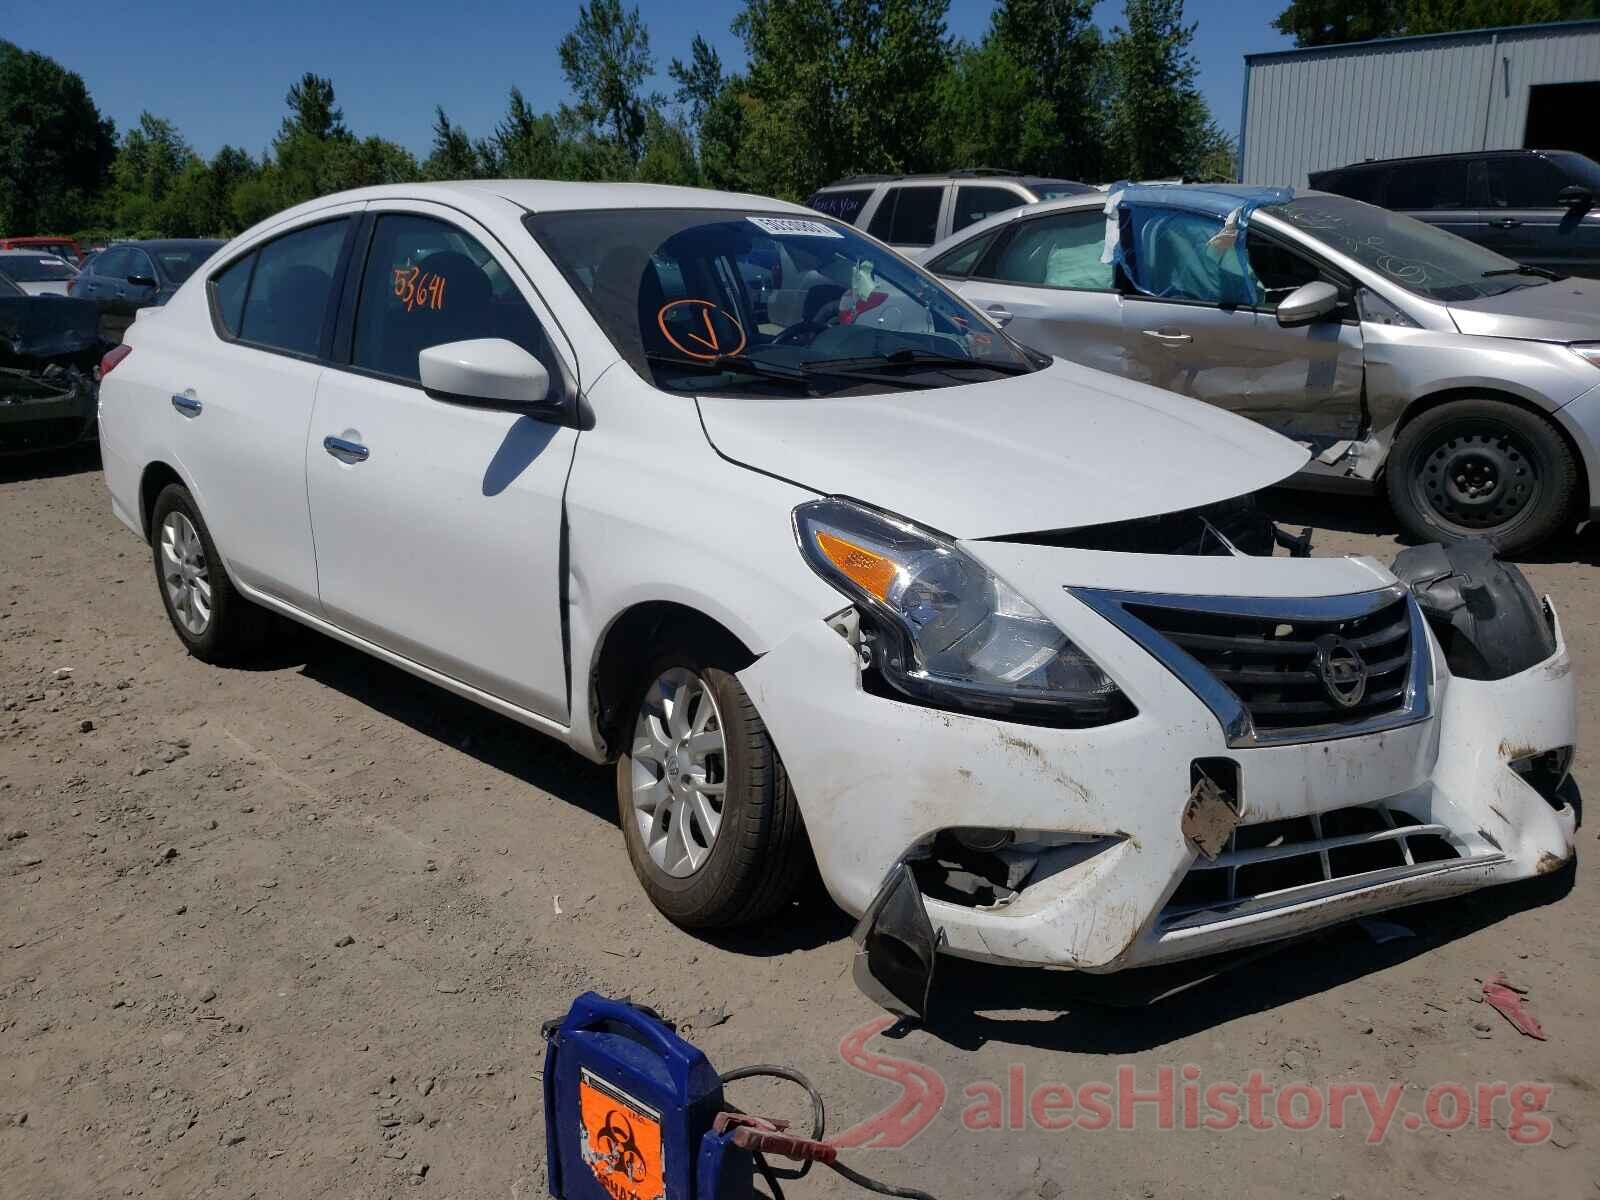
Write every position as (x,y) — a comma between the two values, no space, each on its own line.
(1528,85)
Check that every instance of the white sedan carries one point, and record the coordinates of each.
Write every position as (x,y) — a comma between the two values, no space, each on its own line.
(730,494)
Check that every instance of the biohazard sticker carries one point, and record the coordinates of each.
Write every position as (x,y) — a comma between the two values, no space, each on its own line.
(621,1140)
(793,227)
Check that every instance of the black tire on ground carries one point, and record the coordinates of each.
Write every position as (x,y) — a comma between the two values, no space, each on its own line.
(761,855)
(235,626)
(1482,468)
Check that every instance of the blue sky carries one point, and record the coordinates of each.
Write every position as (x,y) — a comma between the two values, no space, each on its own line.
(221,76)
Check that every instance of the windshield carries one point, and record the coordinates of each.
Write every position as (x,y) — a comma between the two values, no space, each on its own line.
(1417,256)
(179,262)
(702,300)
(35,268)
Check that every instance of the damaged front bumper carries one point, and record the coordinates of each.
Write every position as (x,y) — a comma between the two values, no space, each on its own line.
(1101,837)
(49,350)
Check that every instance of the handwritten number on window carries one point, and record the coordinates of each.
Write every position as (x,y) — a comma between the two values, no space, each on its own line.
(416,288)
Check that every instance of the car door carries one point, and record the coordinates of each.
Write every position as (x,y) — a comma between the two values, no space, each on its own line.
(439,525)
(1526,222)
(243,402)
(1042,281)
(908,216)
(1304,382)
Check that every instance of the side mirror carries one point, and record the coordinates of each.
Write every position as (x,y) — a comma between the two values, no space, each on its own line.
(1576,198)
(1307,303)
(142,280)
(491,373)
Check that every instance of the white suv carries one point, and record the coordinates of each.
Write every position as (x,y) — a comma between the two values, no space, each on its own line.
(829,568)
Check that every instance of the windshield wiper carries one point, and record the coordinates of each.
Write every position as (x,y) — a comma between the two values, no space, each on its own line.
(723,363)
(914,358)
(1525,269)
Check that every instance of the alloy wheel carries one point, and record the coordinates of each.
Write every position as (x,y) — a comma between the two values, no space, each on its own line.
(680,772)
(185,573)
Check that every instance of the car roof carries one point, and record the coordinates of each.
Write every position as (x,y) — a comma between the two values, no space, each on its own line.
(964,175)
(28,252)
(546,195)
(1428,158)
(169,243)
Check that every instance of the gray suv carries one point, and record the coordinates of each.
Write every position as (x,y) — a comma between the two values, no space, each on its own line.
(912,212)
(1400,355)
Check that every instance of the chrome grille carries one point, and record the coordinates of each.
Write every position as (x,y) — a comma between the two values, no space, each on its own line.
(1302,857)
(1255,661)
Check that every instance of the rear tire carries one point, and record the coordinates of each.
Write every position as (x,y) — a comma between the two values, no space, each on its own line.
(1482,468)
(730,855)
(214,622)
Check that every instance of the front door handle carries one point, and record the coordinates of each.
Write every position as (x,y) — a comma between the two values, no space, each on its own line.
(1169,337)
(1504,223)
(187,405)
(999,314)
(345,451)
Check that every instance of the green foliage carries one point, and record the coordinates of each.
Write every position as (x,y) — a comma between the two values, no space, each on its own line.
(1157,121)
(606,60)
(1330,22)
(55,148)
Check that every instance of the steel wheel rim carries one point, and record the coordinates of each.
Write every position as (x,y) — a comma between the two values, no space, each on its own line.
(1479,477)
(679,772)
(185,574)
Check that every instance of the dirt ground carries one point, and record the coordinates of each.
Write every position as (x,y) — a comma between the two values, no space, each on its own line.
(292,931)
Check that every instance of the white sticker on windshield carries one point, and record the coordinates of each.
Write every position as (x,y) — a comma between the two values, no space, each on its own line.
(793,227)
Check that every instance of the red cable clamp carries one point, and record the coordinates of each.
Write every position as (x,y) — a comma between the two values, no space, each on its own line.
(770,1137)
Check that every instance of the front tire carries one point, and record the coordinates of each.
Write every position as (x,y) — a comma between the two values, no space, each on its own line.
(711,826)
(214,622)
(1482,468)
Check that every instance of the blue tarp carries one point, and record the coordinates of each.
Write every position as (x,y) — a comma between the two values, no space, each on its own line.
(1186,243)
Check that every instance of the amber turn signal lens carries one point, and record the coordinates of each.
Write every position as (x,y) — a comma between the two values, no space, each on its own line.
(873,573)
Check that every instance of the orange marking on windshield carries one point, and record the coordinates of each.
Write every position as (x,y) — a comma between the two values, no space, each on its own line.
(711,340)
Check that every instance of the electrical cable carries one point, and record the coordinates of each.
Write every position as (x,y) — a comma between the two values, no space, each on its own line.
(819,1119)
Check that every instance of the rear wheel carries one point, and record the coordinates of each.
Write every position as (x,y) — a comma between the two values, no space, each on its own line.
(215,623)
(712,828)
(1482,468)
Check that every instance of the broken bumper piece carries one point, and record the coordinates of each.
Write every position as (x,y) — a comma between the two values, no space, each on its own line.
(1161,837)
(45,409)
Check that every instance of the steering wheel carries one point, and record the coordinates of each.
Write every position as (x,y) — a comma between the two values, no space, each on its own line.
(801,333)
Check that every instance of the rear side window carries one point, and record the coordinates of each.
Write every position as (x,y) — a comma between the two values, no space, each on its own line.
(428,283)
(964,257)
(916,216)
(228,289)
(288,296)
(1428,185)
(973,204)
(1363,185)
(1058,251)
(845,206)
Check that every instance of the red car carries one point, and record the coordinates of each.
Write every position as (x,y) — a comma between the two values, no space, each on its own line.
(63,246)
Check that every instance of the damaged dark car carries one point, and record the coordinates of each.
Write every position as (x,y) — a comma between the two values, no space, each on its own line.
(50,348)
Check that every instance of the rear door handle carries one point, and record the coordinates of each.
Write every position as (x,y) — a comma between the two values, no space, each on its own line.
(1504,223)
(345,451)
(999,313)
(187,405)
(1170,337)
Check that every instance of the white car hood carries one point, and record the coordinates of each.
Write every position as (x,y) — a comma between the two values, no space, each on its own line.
(1058,449)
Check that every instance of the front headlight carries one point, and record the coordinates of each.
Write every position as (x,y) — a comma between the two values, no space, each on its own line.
(1588,351)
(946,631)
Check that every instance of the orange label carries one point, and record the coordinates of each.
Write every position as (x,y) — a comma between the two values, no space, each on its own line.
(416,288)
(621,1141)
(700,329)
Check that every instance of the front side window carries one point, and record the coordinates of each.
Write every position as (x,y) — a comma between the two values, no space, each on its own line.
(1419,257)
(113,263)
(428,283)
(292,288)
(1280,271)
(141,265)
(916,216)
(1176,255)
(180,262)
(974,203)
(701,300)
(1526,181)
(961,260)
(1057,251)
